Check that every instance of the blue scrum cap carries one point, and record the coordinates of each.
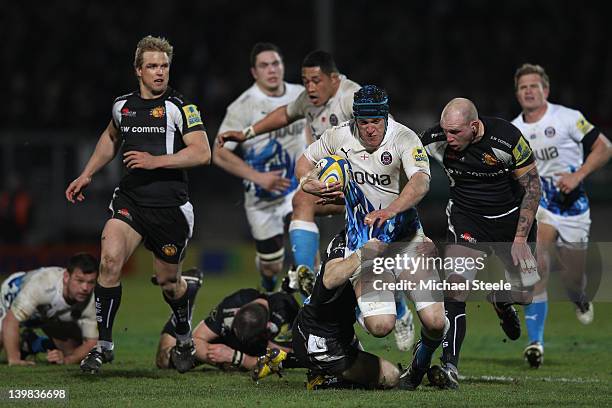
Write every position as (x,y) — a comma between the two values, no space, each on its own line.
(370,102)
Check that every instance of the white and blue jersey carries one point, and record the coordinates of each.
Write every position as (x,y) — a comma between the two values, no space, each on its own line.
(375,178)
(556,142)
(276,150)
(36,298)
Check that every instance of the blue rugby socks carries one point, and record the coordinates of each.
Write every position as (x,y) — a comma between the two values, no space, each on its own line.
(304,237)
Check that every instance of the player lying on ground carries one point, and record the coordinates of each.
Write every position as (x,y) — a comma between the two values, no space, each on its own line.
(56,300)
(240,328)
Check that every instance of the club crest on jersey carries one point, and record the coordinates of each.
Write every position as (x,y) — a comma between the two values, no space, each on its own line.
(489,159)
(333,119)
(124,213)
(169,249)
(549,131)
(158,112)
(192,115)
(386,158)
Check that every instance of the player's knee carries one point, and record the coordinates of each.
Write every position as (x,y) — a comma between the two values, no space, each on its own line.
(457,295)
(110,268)
(380,326)
(303,208)
(270,268)
(435,325)
(389,374)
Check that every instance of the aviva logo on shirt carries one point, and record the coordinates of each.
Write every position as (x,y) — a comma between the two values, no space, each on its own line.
(192,115)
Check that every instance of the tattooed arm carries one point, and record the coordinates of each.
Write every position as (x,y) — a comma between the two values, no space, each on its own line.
(528,178)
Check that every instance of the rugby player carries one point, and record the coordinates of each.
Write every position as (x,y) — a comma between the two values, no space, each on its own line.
(567,149)
(159,134)
(56,300)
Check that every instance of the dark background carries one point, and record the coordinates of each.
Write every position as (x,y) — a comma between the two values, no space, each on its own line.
(63,64)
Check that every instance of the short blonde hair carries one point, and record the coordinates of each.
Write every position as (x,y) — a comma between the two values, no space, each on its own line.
(527,69)
(150,43)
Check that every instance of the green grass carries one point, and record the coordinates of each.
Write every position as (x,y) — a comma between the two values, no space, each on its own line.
(577,370)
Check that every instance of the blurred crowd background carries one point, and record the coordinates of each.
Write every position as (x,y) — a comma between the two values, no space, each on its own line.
(64,62)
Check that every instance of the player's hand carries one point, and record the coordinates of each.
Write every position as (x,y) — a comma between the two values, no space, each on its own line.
(522,256)
(273,181)
(312,185)
(55,356)
(20,362)
(139,160)
(567,182)
(219,353)
(75,189)
(379,217)
(230,136)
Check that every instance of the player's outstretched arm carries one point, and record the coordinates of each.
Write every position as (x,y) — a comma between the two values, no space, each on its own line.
(276,119)
(77,354)
(233,164)
(10,337)
(338,270)
(218,354)
(105,151)
(599,155)
(412,194)
(196,153)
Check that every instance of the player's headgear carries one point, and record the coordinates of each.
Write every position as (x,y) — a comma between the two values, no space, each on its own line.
(370,102)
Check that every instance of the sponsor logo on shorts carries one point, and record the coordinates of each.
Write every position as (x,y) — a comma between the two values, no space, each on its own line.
(466,236)
(333,119)
(169,249)
(158,112)
(125,213)
(386,158)
(489,159)
(192,115)
(549,131)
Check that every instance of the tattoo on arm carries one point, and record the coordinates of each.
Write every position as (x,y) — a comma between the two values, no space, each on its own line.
(531,183)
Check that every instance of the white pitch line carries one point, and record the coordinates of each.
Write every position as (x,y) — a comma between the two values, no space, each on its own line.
(494,378)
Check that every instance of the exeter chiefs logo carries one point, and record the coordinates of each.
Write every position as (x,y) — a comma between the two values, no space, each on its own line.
(489,159)
(169,250)
(158,112)
(386,158)
(333,119)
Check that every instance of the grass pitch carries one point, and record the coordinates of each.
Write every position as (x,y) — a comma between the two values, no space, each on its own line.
(577,368)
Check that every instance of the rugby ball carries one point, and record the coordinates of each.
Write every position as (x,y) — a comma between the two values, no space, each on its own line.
(334,169)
